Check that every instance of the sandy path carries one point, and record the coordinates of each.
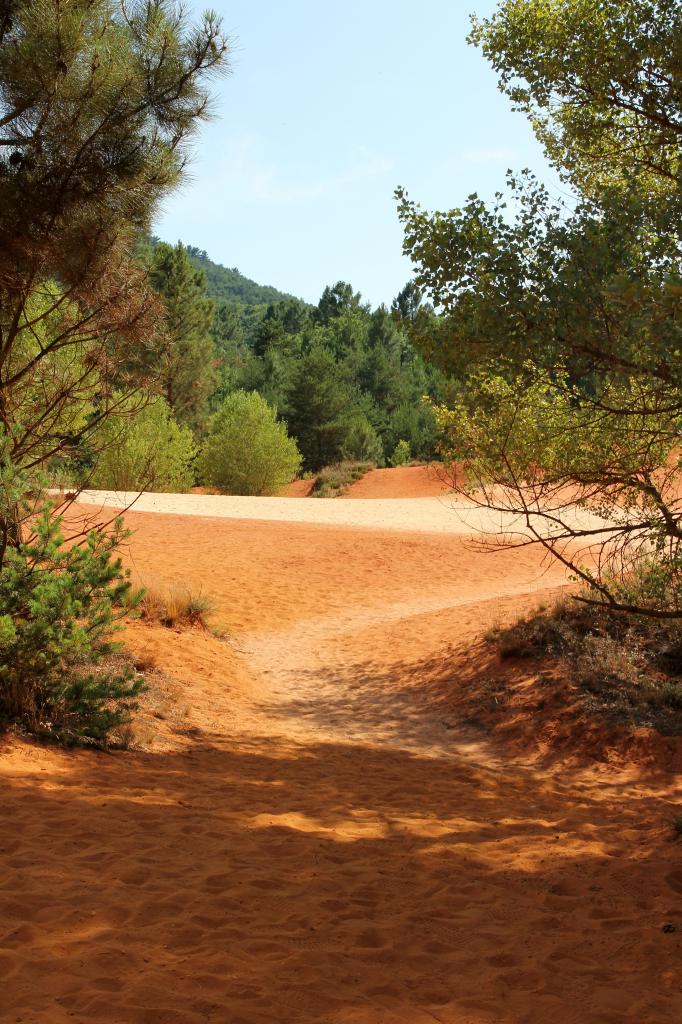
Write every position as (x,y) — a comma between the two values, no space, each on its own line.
(318,840)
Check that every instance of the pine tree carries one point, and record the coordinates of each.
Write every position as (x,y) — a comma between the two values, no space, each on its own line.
(318,409)
(98,100)
(187,365)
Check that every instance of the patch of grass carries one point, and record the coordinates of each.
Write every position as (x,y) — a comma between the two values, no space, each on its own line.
(333,481)
(628,667)
(175,607)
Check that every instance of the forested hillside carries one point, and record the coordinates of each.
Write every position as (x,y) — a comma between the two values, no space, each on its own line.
(343,377)
(226,284)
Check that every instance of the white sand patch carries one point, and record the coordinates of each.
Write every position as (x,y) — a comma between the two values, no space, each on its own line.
(424,515)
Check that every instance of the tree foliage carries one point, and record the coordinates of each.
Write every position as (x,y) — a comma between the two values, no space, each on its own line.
(247,450)
(600,83)
(401,454)
(186,352)
(341,369)
(98,102)
(143,450)
(59,603)
(317,409)
(564,320)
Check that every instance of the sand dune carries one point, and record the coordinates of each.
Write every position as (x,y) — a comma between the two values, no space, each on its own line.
(312,834)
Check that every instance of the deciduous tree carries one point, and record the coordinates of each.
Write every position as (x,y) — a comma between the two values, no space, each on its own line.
(567,317)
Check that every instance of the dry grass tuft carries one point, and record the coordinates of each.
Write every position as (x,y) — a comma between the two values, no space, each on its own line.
(175,607)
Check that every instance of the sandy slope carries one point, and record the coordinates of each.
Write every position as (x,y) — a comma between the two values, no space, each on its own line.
(312,835)
(399,482)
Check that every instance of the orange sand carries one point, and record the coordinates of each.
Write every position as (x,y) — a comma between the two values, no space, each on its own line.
(401,482)
(314,834)
(298,489)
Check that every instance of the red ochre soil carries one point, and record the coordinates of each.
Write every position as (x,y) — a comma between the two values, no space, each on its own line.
(400,482)
(335,819)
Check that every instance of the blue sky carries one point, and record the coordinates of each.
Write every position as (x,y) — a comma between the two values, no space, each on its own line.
(330,105)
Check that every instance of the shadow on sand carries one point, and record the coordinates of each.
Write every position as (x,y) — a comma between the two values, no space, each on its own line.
(265,881)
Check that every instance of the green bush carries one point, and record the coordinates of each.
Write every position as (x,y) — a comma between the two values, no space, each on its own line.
(402,454)
(247,450)
(59,604)
(143,450)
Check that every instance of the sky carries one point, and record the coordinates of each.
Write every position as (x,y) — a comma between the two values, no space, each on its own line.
(329,107)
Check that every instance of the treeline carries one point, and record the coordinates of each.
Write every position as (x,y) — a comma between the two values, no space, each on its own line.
(343,378)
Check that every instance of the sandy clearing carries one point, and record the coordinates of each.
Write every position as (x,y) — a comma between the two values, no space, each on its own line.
(313,837)
(267,576)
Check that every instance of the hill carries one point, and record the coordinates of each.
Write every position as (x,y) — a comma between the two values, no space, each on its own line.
(228,285)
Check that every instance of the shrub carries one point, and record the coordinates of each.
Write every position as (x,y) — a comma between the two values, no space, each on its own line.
(402,453)
(627,666)
(58,609)
(144,450)
(247,450)
(334,480)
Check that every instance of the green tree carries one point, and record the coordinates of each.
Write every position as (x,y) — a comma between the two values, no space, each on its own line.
(59,606)
(318,412)
(247,451)
(565,323)
(415,423)
(600,83)
(402,454)
(407,303)
(98,101)
(369,355)
(232,352)
(282,322)
(362,443)
(337,299)
(187,356)
(145,450)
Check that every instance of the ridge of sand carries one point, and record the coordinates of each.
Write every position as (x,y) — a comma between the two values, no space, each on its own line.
(313,837)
